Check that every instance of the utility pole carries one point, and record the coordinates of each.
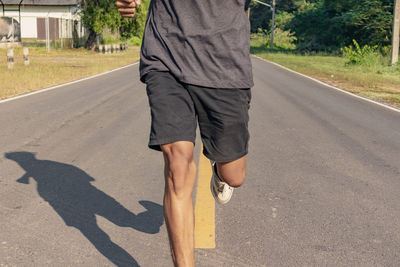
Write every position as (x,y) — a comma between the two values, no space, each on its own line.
(273,24)
(396,32)
(273,18)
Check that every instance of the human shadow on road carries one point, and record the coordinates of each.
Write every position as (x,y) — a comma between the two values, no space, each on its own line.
(70,193)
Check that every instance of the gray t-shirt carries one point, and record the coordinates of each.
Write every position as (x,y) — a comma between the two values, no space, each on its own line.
(201,42)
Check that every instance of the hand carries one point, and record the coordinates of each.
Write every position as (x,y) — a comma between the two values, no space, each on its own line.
(24,179)
(127,8)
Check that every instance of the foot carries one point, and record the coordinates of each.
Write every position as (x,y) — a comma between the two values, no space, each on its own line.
(220,190)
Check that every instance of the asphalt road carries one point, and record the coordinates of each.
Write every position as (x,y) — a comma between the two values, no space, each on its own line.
(78,186)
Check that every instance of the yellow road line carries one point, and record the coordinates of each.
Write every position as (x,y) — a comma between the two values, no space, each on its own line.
(204,233)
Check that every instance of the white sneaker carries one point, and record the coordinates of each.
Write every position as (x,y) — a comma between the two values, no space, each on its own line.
(220,190)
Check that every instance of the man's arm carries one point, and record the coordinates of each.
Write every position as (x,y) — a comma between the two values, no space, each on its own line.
(127,8)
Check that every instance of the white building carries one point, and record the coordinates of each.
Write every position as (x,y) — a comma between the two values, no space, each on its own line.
(56,18)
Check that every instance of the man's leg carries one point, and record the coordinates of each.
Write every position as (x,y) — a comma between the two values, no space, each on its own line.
(180,176)
(223,119)
(233,172)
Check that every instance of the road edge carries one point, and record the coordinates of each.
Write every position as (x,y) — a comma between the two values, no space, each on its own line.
(65,84)
(330,86)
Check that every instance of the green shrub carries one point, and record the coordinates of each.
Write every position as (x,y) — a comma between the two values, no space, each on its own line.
(366,55)
(260,38)
(109,39)
(282,39)
(135,41)
(386,50)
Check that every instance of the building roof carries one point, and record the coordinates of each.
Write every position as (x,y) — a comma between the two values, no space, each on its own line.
(42,2)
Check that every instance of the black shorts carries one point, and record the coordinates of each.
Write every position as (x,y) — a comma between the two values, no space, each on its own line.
(222,115)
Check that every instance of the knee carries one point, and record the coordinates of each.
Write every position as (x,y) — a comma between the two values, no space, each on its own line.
(234,178)
(179,169)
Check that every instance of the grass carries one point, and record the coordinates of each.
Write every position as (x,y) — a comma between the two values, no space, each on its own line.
(55,67)
(380,82)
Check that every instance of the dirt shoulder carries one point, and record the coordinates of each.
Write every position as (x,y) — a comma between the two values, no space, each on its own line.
(56,67)
(380,83)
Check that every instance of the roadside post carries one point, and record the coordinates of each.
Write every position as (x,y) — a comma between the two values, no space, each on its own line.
(272,7)
(47,34)
(26,56)
(396,32)
(10,58)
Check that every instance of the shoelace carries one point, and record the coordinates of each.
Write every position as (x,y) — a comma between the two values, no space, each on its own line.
(221,187)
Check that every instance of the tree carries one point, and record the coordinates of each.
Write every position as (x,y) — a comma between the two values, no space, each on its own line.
(371,21)
(260,16)
(341,21)
(135,26)
(98,14)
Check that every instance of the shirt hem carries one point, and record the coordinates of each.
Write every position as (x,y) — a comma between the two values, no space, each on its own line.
(212,84)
